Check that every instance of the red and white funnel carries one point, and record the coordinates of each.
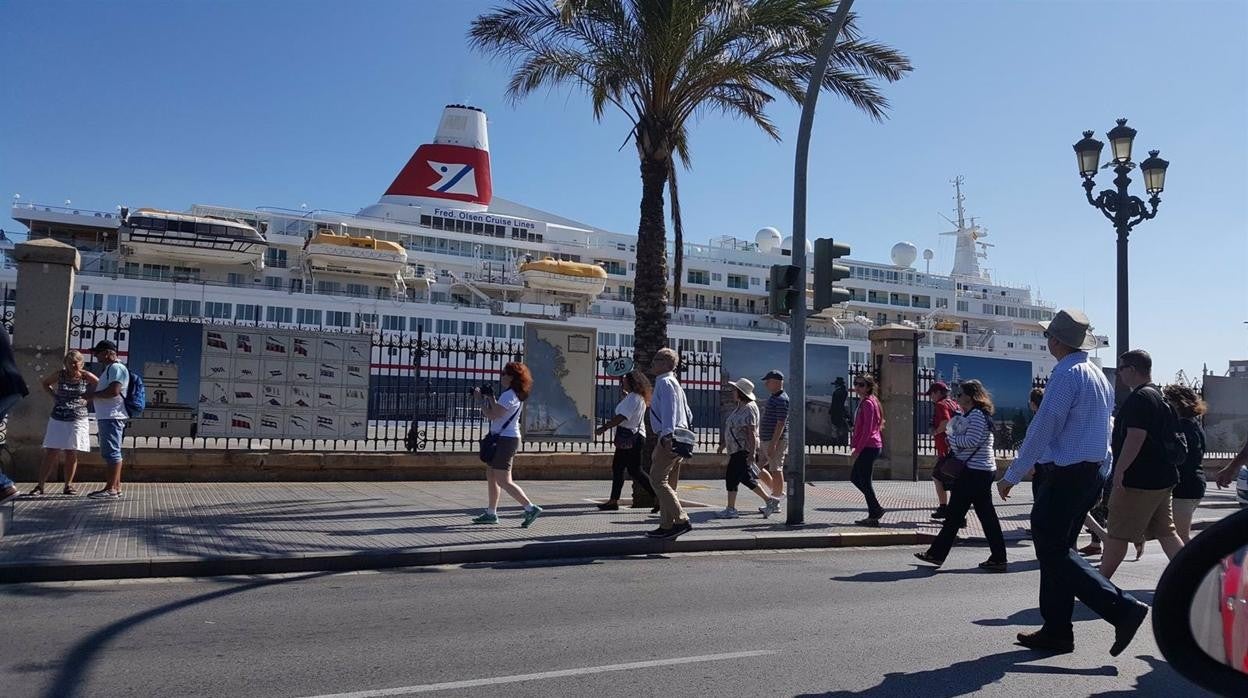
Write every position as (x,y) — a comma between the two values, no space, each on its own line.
(455,167)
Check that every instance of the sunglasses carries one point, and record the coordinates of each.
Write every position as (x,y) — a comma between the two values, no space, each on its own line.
(860,384)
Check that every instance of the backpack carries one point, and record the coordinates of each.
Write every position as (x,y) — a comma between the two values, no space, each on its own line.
(1173,441)
(136,397)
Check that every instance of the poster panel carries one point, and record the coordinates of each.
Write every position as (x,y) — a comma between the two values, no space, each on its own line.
(170,358)
(562,360)
(1008,381)
(828,421)
(1226,422)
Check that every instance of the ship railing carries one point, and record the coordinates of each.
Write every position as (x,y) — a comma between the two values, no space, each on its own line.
(29,206)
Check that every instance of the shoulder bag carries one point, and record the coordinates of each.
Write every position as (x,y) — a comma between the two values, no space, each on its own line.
(489,442)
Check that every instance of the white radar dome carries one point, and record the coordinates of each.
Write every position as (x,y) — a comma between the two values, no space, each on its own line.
(928,254)
(904,254)
(768,240)
(787,244)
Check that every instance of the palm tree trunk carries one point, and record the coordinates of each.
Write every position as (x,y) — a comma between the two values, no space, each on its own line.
(650,286)
(650,280)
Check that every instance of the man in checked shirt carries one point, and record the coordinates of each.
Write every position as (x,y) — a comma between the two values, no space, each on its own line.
(1068,445)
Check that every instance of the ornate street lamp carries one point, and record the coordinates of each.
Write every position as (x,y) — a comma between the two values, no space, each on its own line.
(1119,207)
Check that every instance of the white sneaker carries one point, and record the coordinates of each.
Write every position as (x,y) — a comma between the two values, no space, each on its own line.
(728,513)
(772,507)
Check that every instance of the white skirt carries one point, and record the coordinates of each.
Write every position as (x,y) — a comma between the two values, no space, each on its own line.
(68,436)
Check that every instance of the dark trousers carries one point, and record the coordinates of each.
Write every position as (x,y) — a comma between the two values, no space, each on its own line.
(1062,500)
(973,488)
(628,459)
(861,477)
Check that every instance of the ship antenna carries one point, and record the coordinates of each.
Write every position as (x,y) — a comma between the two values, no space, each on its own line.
(957,186)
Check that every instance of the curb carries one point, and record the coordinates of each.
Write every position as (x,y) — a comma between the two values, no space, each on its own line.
(62,571)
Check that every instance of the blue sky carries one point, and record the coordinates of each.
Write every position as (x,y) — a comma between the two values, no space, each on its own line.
(283,103)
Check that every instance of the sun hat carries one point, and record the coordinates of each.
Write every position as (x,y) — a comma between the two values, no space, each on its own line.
(1072,328)
(746,386)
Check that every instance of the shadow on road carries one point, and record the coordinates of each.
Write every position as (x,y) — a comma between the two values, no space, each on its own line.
(77,664)
(966,677)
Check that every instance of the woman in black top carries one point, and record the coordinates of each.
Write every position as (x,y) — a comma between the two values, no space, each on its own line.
(1187,494)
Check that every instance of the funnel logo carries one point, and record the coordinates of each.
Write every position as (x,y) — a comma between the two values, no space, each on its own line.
(453,179)
(447,172)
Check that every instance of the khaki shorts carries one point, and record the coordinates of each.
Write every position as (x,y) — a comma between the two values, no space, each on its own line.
(775,465)
(1136,514)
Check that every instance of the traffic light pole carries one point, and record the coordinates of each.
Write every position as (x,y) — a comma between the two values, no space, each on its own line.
(796,468)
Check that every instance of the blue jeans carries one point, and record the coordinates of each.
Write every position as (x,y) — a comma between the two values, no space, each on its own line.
(1062,499)
(5,483)
(110,431)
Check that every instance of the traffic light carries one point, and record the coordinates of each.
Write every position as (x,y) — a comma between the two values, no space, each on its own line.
(783,291)
(828,272)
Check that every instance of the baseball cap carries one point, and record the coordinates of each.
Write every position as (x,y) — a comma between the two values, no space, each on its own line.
(773,374)
(104,345)
(938,385)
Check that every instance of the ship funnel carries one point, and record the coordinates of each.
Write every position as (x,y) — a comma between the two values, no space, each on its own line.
(453,169)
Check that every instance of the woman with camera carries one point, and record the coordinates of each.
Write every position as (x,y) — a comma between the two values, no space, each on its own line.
(970,438)
(630,438)
(504,416)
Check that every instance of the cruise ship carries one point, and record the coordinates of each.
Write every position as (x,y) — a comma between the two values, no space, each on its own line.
(439,254)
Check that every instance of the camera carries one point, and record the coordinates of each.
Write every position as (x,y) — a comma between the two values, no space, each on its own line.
(486,389)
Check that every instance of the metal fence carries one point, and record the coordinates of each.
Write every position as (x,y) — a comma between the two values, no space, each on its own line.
(420,394)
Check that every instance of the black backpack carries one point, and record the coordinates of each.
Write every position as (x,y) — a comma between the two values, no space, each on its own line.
(1173,441)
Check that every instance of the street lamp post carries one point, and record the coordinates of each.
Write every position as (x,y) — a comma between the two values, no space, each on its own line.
(1122,209)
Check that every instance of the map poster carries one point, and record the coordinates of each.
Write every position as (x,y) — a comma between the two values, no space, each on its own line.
(827,401)
(1007,380)
(1226,423)
(563,363)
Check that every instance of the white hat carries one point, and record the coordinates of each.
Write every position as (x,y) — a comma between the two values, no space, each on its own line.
(746,386)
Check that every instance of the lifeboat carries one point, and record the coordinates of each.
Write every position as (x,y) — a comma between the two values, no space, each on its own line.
(166,235)
(947,326)
(564,277)
(346,254)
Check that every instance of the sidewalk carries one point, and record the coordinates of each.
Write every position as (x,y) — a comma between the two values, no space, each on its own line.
(254,528)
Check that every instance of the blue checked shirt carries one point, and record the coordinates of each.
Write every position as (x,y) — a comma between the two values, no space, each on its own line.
(1073,422)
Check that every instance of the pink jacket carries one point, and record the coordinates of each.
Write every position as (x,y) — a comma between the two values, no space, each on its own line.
(867,423)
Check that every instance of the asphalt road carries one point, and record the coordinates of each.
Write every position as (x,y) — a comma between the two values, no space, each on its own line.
(842,622)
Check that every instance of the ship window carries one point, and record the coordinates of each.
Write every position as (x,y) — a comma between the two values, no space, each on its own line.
(426,221)
(247,312)
(218,229)
(273,283)
(216,310)
(626,340)
(309,316)
(236,279)
(337,318)
(420,324)
(478,227)
(516,332)
(184,308)
(365,321)
(277,314)
(495,330)
(470,329)
(121,304)
(606,339)
(154,306)
(357,290)
(447,326)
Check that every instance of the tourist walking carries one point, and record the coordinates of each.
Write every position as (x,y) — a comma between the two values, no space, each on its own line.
(773,429)
(1068,444)
(971,439)
(741,436)
(12,390)
(944,408)
(110,415)
(1139,504)
(1188,406)
(68,431)
(867,442)
(629,423)
(504,414)
(669,419)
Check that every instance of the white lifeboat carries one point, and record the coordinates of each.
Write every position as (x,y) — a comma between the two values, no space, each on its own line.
(564,277)
(346,254)
(153,233)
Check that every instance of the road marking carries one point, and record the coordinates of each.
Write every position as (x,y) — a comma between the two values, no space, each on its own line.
(561,673)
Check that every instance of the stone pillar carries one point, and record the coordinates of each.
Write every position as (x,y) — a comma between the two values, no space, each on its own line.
(894,353)
(45,288)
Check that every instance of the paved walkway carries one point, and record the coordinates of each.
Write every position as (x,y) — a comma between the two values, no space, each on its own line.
(195,529)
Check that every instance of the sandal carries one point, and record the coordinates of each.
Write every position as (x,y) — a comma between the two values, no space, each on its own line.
(37,492)
(69,490)
(929,558)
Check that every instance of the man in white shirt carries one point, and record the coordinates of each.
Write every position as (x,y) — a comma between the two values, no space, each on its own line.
(669,411)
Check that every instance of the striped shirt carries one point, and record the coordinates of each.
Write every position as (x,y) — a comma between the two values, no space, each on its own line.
(971,438)
(776,409)
(1073,422)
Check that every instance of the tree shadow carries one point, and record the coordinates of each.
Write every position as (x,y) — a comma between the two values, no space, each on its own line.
(77,663)
(966,677)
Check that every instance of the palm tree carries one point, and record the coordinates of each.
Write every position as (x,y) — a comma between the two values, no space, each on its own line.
(663,63)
